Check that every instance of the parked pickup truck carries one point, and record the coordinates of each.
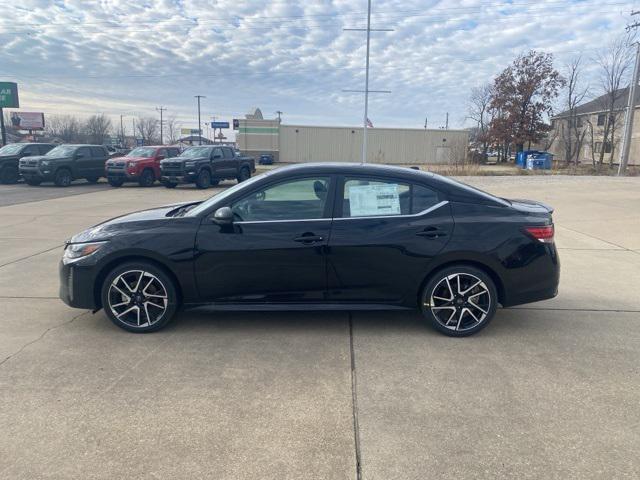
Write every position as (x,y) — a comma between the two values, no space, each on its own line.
(206,166)
(142,165)
(64,164)
(11,154)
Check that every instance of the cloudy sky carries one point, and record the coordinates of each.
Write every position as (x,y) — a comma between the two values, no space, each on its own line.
(123,57)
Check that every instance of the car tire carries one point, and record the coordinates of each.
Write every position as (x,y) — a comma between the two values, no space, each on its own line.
(63,177)
(147,178)
(169,184)
(139,297)
(245,174)
(9,175)
(115,182)
(204,179)
(93,179)
(459,300)
(33,183)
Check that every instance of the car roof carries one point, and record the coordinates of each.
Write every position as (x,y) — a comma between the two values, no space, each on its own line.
(355,168)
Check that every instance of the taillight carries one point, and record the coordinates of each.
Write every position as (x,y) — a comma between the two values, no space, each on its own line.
(542,233)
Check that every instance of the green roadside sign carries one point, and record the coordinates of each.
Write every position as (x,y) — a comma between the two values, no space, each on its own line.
(9,95)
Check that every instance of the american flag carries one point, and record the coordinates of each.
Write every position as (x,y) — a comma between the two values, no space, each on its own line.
(369,124)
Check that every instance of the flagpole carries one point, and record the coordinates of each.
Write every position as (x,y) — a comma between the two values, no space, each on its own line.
(366,89)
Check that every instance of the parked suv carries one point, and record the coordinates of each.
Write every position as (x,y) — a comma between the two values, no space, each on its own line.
(64,164)
(142,165)
(206,166)
(11,154)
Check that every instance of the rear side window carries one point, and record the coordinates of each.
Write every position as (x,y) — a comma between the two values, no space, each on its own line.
(216,153)
(369,197)
(83,152)
(97,152)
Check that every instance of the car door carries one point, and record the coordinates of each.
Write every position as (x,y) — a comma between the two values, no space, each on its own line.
(217,162)
(275,249)
(385,233)
(84,163)
(99,157)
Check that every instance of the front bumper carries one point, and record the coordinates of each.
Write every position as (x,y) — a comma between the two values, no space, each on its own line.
(121,173)
(76,286)
(37,173)
(189,177)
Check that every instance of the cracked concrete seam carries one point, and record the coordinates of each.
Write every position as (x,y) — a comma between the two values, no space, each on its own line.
(42,335)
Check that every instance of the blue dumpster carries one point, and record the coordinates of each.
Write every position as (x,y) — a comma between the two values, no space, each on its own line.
(521,157)
(539,161)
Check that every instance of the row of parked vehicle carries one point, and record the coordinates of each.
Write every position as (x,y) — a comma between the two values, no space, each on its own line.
(203,166)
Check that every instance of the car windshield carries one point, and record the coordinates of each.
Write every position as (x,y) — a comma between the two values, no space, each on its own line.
(61,151)
(11,149)
(144,152)
(197,210)
(193,152)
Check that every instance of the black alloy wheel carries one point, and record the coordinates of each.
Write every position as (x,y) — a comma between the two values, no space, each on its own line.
(204,179)
(459,300)
(63,178)
(245,174)
(115,182)
(147,178)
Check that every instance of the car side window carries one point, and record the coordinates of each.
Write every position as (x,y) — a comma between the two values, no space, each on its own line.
(97,152)
(173,152)
(30,151)
(216,154)
(228,153)
(301,199)
(83,152)
(44,149)
(369,197)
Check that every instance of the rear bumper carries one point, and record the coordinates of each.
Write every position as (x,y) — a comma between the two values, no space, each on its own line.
(76,286)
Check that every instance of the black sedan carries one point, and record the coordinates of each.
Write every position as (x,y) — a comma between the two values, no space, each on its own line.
(325,237)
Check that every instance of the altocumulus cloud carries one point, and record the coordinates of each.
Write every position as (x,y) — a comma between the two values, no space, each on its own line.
(118,56)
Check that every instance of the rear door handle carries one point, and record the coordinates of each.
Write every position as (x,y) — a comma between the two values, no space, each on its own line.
(432,232)
(308,238)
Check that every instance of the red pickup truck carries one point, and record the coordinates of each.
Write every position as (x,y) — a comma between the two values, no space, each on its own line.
(142,165)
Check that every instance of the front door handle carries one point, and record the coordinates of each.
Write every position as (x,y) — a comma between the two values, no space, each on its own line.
(308,238)
(432,232)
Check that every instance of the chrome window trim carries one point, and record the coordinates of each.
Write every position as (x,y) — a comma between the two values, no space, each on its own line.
(411,215)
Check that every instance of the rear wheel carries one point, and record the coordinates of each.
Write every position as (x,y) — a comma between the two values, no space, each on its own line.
(115,182)
(139,297)
(244,174)
(459,300)
(9,175)
(204,179)
(63,178)
(147,178)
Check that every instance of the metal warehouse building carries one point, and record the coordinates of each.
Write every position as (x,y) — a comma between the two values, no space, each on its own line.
(306,143)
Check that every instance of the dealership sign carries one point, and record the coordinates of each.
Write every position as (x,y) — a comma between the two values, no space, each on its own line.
(9,95)
(27,120)
(190,131)
(219,124)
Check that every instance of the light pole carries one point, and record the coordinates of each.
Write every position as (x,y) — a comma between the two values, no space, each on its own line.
(161,109)
(199,124)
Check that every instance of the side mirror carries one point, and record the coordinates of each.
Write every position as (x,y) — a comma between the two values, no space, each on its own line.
(223,216)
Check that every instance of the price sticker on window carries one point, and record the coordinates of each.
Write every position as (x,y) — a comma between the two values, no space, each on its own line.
(370,200)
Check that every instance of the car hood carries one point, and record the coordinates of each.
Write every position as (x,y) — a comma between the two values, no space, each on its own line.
(129,159)
(46,157)
(144,218)
(9,157)
(184,159)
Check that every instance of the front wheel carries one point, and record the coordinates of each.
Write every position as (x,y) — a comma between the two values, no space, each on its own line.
(204,179)
(93,179)
(139,297)
(147,178)
(169,184)
(459,300)
(115,182)
(63,178)
(9,175)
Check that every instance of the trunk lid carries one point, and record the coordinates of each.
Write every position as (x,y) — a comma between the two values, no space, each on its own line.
(530,206)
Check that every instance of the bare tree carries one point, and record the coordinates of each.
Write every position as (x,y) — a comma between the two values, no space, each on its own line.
(148,131)
(171,129)
(570,128)
(65,127)
(479,110)
(614,61)
(97,129)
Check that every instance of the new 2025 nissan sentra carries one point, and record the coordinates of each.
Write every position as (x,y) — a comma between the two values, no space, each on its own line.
(320,236)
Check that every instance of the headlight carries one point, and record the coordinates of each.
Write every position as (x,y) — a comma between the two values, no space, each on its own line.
(45,163)
(74,251)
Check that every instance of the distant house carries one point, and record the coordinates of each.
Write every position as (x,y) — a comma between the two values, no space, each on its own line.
(582,130)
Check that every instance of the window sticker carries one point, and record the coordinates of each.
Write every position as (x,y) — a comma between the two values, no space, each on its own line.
(368,200)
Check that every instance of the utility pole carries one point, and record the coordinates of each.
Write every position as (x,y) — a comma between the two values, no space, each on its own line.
(279,112)
(161,109)
(425,122)
(199,124)
(366,91)
(446,123)
(121,132)
(631,107)
(133,130)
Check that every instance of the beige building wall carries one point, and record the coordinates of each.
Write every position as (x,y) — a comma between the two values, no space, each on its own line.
(300,144)
(257,136)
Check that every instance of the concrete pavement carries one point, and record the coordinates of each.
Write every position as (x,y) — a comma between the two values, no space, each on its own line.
(548,390)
